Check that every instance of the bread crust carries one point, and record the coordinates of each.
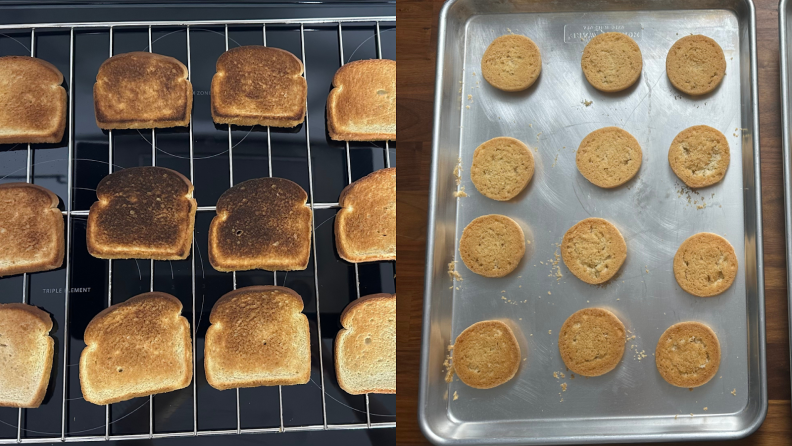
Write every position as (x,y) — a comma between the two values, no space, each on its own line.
(261,223)
(362,104)
(134,335)
(234,356)
(365,226)
(258,85)
(141,90)
(32,101)
(340,347)
(142,213)
(30,241)
(24,318)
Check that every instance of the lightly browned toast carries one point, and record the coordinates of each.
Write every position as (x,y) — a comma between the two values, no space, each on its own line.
(141,90)
(31,229)
(142,213)
(259,85)
(27,351)
(258,337)
(362,104)
(32,101)
(365,349)
(261,223)
(365,226)
(136,348)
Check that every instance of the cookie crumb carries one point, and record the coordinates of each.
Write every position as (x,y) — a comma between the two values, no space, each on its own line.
(705,408)
(734,392)
(456,396)
(587,102)
(564,387)
(460,193)
(453,273)
(549,331)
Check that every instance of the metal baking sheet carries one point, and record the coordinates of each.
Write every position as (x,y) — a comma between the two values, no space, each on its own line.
(655,212)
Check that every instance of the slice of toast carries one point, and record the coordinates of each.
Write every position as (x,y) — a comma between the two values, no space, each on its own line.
(261,224)
(141,90)
(362,104)
(365,349)
(365,226)
(31,229)
(258,85)
(258,337)
(136,348)
(142,213)
(32,101)
(26,352)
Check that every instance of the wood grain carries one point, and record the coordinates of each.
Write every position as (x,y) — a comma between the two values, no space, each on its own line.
(416,50)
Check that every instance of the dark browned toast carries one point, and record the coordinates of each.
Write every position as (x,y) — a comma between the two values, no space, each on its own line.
(142,213)
(258,85)
(32,101)
(31,229)
(261,224)
(141,90)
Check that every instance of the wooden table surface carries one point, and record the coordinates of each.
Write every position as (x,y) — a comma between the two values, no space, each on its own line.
(416,50)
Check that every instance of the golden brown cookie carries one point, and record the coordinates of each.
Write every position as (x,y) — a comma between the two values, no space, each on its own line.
(695,64)
(486,355)
(609,157)
(593,250)
(501,168)
(591,342)
(688,354)
(705,264)
(699,156)
(612,62)
(492,245)
(511,63)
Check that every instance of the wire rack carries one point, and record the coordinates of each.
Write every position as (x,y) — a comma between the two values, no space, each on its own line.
(69,213)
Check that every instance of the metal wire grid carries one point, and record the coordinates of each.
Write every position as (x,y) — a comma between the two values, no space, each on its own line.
(69,212)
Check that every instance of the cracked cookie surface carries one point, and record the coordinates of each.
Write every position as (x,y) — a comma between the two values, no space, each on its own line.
(486,355)
(705,264)
(593,250)
(699,156)
(612,62)
(511,63)
(591,342)
(688,354)
(492,245)
(695,65)
(609,157)
(501,168)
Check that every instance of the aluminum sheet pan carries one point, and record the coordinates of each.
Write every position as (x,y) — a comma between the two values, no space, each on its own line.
(655,212)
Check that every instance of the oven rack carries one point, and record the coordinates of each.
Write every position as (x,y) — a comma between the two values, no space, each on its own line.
(69,213)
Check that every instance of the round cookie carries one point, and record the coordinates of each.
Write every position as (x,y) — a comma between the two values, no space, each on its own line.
(592,341)
(511,63)
(486,355)
(695,65)
(609,157)
(688,354)
(699,156)
(705,264)
(611,62)
(492,245)
(593,250)
(501,168)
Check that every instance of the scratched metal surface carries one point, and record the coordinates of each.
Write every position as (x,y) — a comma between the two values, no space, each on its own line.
(655,212)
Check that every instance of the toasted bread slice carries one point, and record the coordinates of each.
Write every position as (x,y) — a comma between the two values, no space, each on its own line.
(32,101)
(258,337)
(141,90)
(362,104)
(261,224)
(136,348)
(365,349)
(142,213)
(365,226)
(26,351)
(31,229)
(258,85)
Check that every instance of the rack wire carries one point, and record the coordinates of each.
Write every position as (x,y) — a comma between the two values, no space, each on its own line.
(69,213)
